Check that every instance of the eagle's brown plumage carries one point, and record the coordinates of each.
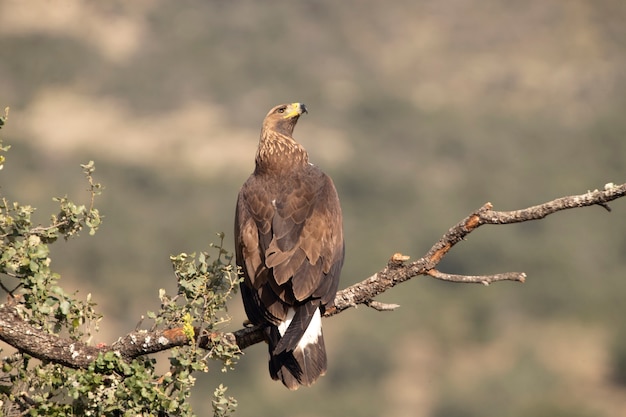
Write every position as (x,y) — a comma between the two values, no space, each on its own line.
(289,245)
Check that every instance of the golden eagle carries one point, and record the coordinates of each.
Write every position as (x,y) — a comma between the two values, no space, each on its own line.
(289,246)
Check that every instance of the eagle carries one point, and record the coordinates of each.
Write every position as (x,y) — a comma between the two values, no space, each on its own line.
(290,249)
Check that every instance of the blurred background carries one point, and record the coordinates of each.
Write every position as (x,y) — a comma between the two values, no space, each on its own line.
(420,110)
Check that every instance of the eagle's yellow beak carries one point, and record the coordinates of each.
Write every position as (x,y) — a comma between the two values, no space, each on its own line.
(294,110)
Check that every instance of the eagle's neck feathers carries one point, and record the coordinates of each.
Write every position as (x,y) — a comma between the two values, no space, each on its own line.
(278,152)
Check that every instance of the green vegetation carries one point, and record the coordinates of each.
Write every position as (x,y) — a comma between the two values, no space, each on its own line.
(109,386)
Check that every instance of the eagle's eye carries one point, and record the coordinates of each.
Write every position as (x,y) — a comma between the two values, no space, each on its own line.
(281,110)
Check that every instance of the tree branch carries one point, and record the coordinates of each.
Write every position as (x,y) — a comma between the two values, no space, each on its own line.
(42,345)
(37,343)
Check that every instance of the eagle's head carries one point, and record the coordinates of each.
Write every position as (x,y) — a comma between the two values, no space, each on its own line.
(283,118)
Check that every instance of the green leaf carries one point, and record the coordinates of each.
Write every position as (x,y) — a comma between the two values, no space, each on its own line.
(64,307)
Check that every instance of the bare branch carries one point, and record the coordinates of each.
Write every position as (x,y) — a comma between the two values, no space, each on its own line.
(19,334)
(378,306)
(397,271)
(478,279)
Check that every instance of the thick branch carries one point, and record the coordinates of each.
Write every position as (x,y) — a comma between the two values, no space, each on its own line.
(37,343)
(42,345)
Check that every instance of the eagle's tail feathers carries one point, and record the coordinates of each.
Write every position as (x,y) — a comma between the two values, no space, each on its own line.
(302,325)
(304,363)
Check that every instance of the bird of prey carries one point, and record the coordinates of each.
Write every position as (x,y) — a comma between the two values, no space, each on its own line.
(290,248)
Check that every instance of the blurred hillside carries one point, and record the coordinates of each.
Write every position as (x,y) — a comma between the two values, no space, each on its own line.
(421,111)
